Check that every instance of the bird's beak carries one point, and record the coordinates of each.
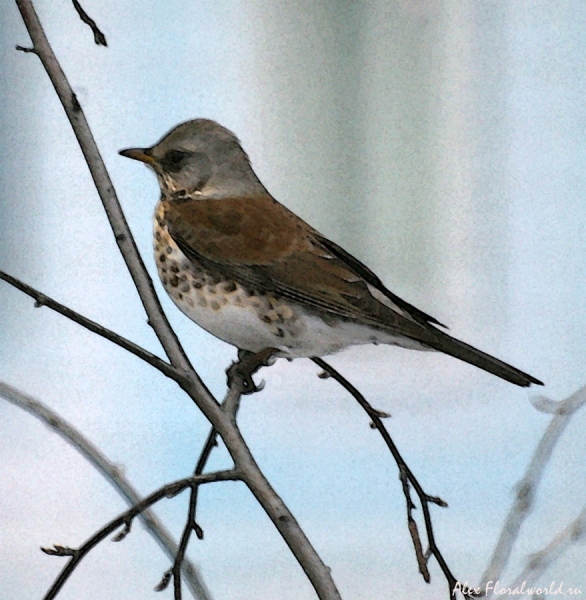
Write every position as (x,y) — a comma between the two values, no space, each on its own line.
(142,154)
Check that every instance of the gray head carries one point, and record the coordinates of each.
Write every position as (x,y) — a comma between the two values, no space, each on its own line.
(200,157)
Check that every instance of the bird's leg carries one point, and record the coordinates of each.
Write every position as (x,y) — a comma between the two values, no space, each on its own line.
(247,365)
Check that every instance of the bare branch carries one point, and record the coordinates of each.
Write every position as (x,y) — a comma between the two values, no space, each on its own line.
(527,487)
(317,572)
(241,382)
(99,37)
(189,527)
(43,300)
(111,473)
(168,491)
(230,405)
(406,478)
(106,191)
(538,562)
(210,444)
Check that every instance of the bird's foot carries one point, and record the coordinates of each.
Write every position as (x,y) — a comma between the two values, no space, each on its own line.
(246,366)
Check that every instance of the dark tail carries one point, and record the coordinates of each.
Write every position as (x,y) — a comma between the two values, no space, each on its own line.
(458,349)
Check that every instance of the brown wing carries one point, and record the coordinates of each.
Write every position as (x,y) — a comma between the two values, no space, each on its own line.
(260,243)
(362,270)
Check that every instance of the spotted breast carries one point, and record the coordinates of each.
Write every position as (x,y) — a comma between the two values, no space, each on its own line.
(221,306)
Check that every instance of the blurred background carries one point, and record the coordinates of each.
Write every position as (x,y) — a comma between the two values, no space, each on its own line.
(442,143)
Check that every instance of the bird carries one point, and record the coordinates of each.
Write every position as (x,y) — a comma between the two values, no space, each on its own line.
(251,272)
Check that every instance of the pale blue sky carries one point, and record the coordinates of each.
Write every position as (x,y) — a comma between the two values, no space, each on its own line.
(441,142)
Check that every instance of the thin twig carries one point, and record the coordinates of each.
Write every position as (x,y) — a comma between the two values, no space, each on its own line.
(111,473)
(191,523)
(424,498)
(26,50)
(231,399)
(230,406)
(125,519)
(43,300)
(99,37)
(526,488)
(241,382)
(189,527)
(231,402)
(210,443)
(413,530)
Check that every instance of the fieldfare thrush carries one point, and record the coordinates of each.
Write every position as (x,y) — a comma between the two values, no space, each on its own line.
(252,273)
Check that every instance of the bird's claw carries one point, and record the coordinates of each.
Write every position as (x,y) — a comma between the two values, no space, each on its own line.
(248,363)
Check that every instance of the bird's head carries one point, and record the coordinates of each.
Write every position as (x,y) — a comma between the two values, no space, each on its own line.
(200,157)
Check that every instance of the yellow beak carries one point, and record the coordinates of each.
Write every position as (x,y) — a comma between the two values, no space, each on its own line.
(142,154)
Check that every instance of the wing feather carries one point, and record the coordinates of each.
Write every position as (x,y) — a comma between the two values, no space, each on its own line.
(288,257)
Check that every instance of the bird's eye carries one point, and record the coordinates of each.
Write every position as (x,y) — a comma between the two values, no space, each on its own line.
(173,158)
